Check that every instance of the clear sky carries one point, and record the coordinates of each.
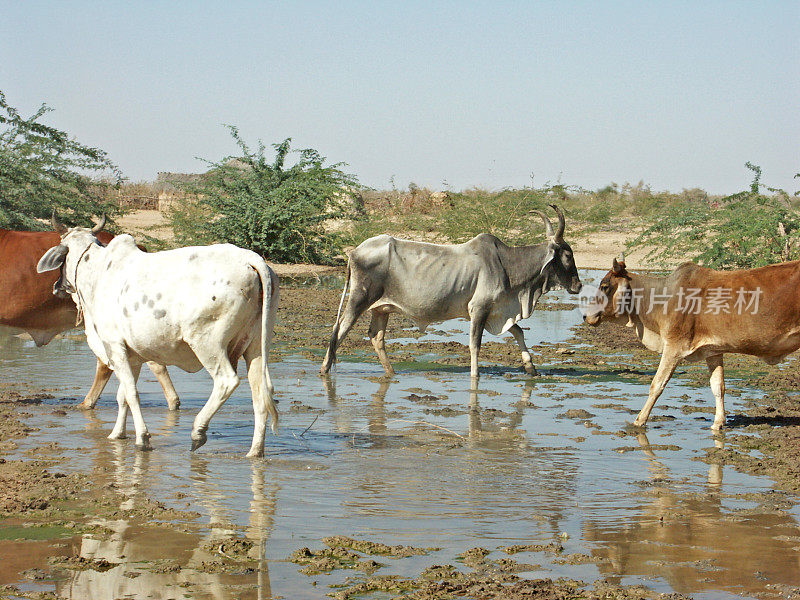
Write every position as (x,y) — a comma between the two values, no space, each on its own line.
(679,94)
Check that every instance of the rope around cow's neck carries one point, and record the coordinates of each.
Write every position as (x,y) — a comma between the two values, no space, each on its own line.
(79,317)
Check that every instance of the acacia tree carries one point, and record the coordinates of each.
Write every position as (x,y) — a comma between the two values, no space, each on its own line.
(41,168)
(257,202)
(744,230)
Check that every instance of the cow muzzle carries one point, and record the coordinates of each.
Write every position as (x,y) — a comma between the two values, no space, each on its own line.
(61,288)
(593,319)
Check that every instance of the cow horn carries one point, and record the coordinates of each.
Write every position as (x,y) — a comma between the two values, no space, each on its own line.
(621,257)
(547,224)
(99,227)
(559,237)
(58,226)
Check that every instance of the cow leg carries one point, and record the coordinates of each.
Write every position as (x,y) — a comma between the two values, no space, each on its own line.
(101,377)
(161,373)
(119,432)
(225,382)
(262,397)
(669,360)
(377,335)
(717,381)
(361,297)
(527,363)
(477,322)
(128,373)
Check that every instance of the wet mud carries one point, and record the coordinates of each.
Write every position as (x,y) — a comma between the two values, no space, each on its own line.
(415,486)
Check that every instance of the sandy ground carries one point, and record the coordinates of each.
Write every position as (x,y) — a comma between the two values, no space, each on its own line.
(594,250)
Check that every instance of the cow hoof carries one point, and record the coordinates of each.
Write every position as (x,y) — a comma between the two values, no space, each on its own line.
(85,405)
(117,436)
(197,443)
(144,446)
(530,370)
(255,453)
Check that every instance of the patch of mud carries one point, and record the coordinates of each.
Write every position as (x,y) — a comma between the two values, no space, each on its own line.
(82,563)
(340,541)
(489,581)
(330,559)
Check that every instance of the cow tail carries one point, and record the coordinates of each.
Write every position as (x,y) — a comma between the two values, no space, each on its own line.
(269,309)
(335,333)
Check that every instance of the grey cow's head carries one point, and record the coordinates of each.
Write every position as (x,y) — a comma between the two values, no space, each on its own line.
(66,256)
(559,259)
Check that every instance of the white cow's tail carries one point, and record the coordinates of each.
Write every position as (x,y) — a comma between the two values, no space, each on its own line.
(331,358)
(269,309)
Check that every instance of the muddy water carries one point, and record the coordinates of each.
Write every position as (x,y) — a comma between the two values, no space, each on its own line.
(418,460)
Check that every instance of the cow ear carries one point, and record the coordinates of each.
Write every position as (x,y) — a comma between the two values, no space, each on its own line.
(52,259)
(618,267)
(548,258)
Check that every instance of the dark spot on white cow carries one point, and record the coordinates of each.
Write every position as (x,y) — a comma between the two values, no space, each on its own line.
(192,256)
(124,311)
(86,258)
(228,282)
(108,266)
(135,306)
(158,296)
(150,304)
(213,298)
(144,299)
(159,313)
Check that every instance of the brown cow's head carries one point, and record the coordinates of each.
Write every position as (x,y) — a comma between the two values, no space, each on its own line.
(612,301)
(74,243)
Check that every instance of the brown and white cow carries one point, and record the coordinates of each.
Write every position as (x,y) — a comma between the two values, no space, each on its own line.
(696,313)
(28,302)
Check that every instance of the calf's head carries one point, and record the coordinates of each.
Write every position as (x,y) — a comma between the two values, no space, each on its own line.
(612,300)
(559,259)
(66,256)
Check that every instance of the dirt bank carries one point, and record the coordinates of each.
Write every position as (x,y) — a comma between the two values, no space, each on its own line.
(593,249)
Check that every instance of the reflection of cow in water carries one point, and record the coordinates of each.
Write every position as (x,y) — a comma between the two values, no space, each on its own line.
(695,542)
(179,557)
(482,455)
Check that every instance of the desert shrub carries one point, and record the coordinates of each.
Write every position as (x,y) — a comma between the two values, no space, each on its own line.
(260,203)
(41,168)
(508,214)
(744,230)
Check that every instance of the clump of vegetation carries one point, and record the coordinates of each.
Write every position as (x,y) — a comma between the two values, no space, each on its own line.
(260,203)
(41,168)
(744,230)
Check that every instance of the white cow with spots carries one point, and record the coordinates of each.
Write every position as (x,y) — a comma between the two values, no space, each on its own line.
(198,307)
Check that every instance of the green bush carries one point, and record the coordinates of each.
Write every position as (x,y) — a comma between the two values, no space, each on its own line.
(744,230)
(41,168)
(261,204)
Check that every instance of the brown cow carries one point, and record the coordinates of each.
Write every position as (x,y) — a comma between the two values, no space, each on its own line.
(697,314)
(27,302)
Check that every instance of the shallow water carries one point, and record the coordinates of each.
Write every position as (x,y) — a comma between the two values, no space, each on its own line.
(420,461)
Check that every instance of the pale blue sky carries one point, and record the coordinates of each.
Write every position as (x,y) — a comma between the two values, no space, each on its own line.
(679,94)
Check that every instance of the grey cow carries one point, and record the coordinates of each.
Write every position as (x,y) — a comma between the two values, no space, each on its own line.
(491,284)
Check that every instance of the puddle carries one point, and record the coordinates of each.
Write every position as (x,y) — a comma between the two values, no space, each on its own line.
(417,461)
